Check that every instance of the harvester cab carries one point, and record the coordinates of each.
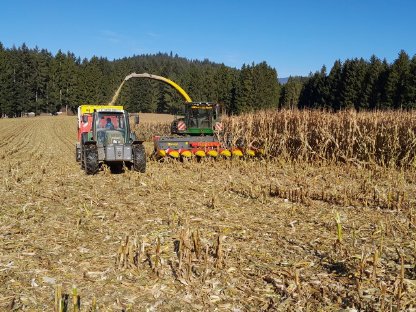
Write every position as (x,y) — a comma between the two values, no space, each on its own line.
(104,137)
(200,118)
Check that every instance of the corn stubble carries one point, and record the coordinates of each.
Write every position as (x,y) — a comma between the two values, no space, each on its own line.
(320,226)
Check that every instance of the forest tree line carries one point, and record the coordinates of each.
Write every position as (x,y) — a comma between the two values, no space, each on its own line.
(34,80)
(356,84)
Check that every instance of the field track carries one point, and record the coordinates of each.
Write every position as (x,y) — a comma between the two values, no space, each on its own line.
(217,235)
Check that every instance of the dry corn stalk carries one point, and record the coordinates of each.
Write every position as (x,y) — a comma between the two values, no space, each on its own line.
(383,138)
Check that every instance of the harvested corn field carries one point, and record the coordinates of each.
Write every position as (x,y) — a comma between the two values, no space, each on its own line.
(236,235)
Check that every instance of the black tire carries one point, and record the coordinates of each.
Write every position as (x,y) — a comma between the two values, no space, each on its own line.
(78,154)
(82,161)
(129,165)
(139,158)
(90,159)
(174,127)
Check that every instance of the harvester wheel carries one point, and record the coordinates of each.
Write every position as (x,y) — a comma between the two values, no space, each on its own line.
(139,158)
(90,159)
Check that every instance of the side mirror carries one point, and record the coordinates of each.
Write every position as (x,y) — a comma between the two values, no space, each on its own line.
(217,112)
(136,119)
(174,110)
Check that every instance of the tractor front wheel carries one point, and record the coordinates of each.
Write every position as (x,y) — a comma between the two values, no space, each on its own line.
(139,158)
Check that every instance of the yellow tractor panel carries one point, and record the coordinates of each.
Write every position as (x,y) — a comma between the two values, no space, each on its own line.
(89,109)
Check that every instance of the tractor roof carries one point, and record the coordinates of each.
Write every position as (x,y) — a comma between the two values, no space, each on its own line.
(110,110)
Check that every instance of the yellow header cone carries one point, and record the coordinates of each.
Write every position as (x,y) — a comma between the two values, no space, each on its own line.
(225,153)
(212,153)
(250,152)
(237,153)
(186,154)
(200,153)
(174,154)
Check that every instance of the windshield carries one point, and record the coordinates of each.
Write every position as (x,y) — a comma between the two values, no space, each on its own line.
(111,121)
(111,128)
(200,117)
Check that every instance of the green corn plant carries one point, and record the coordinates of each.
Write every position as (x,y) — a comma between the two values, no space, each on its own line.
(76,299)
(339,227)
(58,298)
(94,305)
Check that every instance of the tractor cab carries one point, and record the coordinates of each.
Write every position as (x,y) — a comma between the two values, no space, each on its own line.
(200,118)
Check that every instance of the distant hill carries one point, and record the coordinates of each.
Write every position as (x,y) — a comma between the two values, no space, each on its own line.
(283,80)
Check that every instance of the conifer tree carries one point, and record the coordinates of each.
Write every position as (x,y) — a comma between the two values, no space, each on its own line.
(410,89)
(334,86)
(290,92)
(245,90)
(397,78)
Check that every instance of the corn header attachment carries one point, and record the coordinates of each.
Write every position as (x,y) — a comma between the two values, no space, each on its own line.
(197,134)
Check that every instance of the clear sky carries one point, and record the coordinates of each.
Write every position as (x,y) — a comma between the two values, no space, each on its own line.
(293,36)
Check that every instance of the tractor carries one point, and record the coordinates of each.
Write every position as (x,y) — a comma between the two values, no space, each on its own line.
(104,137)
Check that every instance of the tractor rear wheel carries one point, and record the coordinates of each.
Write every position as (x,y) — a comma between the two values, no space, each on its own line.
(82,160)
(90,159)
(77,153)
(139,158)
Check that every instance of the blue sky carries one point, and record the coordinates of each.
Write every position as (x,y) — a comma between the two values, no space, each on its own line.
(295,37)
